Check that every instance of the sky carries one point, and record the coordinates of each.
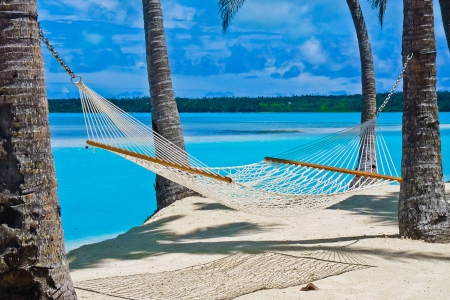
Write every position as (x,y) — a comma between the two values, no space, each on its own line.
(283,49)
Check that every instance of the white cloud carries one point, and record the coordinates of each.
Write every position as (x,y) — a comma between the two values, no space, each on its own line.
(178,16)
(286,66)
(176,11)
(269,14)
(119,12)
(287,17)
(313,52)
(387,65)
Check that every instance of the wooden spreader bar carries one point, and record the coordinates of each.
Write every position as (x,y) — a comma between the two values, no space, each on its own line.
(160,161)
(334,169)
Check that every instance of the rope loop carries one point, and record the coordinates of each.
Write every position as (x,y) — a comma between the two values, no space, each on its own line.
(76,81)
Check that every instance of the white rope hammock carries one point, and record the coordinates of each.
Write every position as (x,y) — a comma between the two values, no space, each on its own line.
(304,179)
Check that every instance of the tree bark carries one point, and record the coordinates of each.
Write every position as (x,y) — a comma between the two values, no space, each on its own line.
(423,209)
(367,160)
(165,117)
(33,263)
(445,13)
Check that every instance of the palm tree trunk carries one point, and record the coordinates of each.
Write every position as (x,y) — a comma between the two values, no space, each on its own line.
(33,263)
(367,161)
(423,209)
(445,13)
(165,117)
(365,53)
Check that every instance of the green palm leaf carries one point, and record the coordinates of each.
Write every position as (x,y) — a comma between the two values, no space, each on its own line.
(380,6)
(227,10)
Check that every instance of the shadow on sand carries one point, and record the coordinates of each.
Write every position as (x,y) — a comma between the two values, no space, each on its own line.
(152,239)
(382,208)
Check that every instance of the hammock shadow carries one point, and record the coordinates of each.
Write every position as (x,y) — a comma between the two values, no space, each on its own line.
(380,208)
(211,206)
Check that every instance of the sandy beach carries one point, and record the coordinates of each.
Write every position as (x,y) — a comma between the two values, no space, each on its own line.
(197,231)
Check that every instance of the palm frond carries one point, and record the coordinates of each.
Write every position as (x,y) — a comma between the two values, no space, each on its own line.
(227,10)
(380,7)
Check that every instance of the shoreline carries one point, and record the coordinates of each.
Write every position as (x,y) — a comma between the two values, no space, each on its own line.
(75,244)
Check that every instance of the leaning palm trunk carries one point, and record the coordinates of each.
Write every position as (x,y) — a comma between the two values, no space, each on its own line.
(33,264)
(165,117)
(423,209)
(367,70)
(367,155)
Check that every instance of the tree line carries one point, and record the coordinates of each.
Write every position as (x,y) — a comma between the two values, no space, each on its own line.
(304,103)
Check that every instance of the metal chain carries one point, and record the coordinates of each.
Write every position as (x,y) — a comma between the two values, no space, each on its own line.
(408,58)
(56,55)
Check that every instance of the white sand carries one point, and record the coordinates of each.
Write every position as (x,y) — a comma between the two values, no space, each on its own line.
(196,231)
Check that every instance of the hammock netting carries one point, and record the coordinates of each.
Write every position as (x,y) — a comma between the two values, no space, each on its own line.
(228,277)
(304,179)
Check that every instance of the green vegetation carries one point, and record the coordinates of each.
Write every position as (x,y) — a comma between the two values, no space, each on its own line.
(305,103)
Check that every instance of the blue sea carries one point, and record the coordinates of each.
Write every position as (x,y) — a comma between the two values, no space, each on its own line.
(102,195)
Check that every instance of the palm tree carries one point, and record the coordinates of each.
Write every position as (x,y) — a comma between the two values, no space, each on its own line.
(423,210)
(367,157)
(165,117)
(33,263)
(367,70)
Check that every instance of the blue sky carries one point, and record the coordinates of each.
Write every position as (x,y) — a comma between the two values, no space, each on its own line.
(287,48)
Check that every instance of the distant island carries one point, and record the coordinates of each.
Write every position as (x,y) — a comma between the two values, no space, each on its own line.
(305,103)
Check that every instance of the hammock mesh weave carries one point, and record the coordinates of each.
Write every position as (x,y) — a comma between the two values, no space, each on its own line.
(229,277)
(278,185)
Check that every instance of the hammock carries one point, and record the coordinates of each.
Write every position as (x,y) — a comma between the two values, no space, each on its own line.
(307,178)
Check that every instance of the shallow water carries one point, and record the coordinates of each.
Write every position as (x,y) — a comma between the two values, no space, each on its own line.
(102,194)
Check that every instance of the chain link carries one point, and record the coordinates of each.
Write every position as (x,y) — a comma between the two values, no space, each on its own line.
(56,55)
(408,58)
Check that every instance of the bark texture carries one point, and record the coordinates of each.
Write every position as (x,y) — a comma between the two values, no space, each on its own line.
(165,117)
(33,263)
(423,209)
(445,13)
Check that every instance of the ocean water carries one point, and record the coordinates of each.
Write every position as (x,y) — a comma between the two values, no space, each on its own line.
(102,195)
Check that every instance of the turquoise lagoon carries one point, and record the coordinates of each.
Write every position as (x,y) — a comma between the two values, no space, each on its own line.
(102,195)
